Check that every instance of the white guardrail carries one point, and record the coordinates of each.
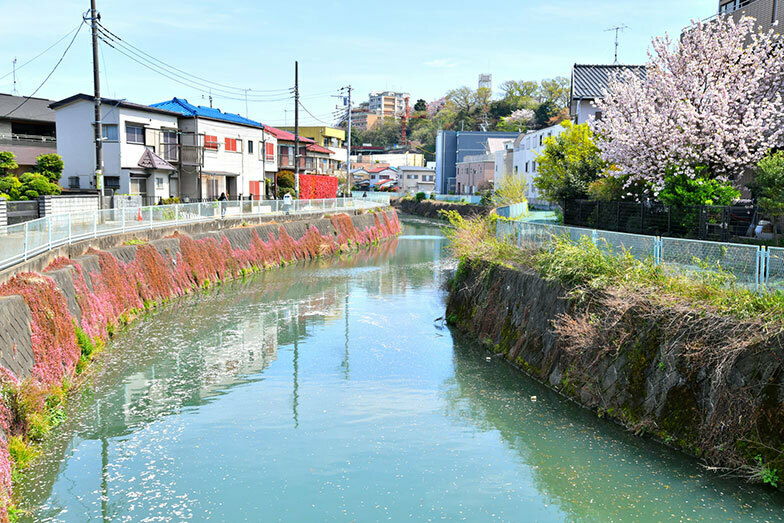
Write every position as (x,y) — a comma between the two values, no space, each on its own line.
(20,242)
(751,265)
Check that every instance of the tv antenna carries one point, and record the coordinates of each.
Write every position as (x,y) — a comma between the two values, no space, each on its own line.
(618,29)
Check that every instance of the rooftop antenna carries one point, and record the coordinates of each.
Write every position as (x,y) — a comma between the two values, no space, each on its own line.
(16,93)
(618,29)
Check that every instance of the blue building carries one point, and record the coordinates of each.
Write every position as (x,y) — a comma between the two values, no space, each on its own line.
(453,146)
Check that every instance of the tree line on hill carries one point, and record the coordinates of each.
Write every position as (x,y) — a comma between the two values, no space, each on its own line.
(524,105)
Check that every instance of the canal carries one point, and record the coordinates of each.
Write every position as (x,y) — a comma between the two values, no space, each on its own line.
(326,391)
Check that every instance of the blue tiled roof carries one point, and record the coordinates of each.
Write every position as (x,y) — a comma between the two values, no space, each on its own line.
(181,105)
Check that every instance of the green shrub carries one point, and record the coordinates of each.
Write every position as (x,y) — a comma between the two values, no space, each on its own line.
(420,196)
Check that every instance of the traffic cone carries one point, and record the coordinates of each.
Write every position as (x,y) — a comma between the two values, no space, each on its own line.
(139,217)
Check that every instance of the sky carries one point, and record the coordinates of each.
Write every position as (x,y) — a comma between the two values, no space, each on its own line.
(421,47)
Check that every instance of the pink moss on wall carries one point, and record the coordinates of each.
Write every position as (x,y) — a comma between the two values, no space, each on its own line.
(119,288)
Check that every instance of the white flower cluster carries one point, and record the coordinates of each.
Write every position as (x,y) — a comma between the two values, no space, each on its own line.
(713,99)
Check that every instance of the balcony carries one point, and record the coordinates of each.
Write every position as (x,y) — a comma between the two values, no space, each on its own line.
(28,139)
(734,5)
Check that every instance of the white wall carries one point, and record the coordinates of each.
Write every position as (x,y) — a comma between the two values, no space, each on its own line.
(525,154)
(584,110)
(247,166)
(75,142)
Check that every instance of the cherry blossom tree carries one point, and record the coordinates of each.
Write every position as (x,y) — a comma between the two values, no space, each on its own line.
(710,105)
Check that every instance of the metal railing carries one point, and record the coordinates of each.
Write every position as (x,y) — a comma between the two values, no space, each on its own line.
(20,242)
(751,265)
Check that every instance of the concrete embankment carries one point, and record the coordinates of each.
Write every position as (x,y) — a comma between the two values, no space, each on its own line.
(432,208)
(708,384)
(48,317)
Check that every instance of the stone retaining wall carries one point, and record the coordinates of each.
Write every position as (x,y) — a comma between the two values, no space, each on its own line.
(663,370)
(431,208)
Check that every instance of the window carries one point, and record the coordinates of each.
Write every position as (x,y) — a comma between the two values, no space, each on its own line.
(541,140)
(533,166)
(231,144)
(73,182)
(526,166)
(515,169)
(112,182)
(138,186)
(109,132)
(270,151)
(250,146)
(169,137)
(598,116)
(211,142)
(134,134)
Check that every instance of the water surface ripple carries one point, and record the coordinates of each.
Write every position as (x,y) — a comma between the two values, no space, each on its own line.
(325,391)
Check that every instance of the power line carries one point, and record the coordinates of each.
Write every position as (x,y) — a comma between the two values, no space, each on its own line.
(27,98)
(185,82)
(235,91)
(43,52)
(312,116)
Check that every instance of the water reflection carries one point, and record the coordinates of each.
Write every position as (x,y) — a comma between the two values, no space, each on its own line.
(325,391)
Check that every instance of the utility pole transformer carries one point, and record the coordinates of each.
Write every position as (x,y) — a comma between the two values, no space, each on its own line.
(296,128)
(94,17)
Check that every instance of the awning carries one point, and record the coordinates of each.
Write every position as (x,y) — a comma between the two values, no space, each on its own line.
(219,173)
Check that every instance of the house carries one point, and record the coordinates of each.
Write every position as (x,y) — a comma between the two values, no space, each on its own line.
(222,152)
(140,146)
(414,179)
(331,138)
(767,12)
(526,150)
(452,147)
(27,129)
(589,83)
(395,157)
(475,173)
(504,161)
(383,174)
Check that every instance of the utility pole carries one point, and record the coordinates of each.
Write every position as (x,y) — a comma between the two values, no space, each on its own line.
(94,17)
(348,145)
(617,29)
(14,64)
(296,128)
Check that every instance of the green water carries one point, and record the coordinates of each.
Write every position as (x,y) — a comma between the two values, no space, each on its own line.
(325,391)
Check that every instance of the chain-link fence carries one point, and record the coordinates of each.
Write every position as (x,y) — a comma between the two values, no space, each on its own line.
(775,268)
(750,265)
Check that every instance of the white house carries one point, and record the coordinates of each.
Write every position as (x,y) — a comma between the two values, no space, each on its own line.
(589,83)
(526,149)
(417,179)
(140,151)
(236,153)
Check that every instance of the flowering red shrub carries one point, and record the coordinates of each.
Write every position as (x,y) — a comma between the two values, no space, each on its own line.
(118,288)
(317,187)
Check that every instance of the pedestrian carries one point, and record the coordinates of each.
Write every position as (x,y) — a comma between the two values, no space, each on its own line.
(222,198)
(364,194)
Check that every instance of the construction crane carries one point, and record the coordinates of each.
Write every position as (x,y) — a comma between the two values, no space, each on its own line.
(404,122)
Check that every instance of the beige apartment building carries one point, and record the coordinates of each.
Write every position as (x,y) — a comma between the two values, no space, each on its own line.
(767,12)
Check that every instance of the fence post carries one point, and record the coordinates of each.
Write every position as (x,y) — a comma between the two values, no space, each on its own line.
(760,274)
(151,208)
(122,219)
(95,224)
(49,229)
(595,237)
(26,241)
(69,228)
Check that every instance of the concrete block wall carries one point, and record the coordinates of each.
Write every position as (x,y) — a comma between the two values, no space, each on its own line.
(66,204)
(3,213)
